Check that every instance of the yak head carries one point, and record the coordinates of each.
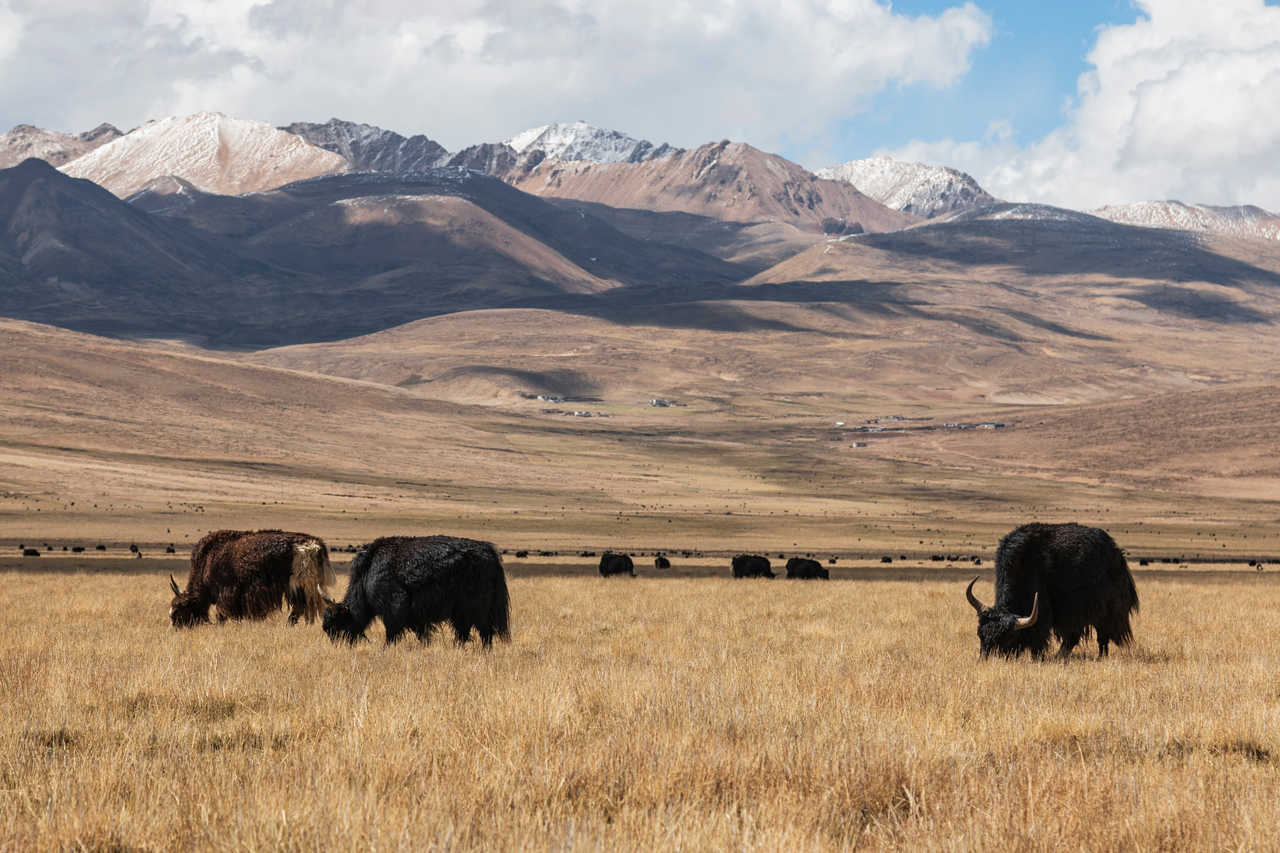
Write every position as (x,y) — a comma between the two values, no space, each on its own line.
(339,623)
(186,609)
(998,628)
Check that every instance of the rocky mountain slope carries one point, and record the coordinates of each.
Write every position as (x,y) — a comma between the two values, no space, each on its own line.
(725,180)
(916,188)
(49,145)
(371,149)
(211,151)
(1235,221)
(581,141)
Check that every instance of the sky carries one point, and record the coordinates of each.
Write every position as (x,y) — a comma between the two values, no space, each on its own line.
(1075,103)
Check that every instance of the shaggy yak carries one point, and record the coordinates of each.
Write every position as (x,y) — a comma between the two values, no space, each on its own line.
(804,569)
(661,562)
(415,582)
(1068,579)
(616,564)
(246,573)
(752,566)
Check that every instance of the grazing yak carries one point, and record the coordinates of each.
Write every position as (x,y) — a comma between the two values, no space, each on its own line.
(413,583)
(661,562)
(246,573)
(805,569)
(1069,579)
(616,564)
(752,566)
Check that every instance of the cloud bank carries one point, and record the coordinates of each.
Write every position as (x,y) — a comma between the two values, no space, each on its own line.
(765,71)
(1178,104)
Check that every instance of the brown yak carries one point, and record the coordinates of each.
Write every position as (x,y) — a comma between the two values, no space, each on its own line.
(246,574)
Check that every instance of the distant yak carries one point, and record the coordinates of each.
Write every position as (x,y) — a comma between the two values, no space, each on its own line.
(805,569)
(1069,579)
(413,583)
(616,564)
(752,566)
(245,574)
(661,562)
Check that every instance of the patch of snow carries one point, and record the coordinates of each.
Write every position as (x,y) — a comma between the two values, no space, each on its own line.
(915,188)
(581,141)
(1234,221)
(213,152)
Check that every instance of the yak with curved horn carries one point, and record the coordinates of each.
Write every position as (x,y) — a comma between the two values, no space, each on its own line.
(1069,580)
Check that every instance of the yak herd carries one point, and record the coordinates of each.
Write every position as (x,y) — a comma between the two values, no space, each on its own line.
(1062,579)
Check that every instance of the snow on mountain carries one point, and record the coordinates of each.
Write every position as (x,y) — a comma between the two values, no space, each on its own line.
(1237,221)
(926,191)
(581,141)
(49,145)
(214,153)
(1021,211)
(372,149)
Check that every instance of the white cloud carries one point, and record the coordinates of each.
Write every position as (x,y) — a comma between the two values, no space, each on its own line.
(1179,104)
(10,32)
(474,70)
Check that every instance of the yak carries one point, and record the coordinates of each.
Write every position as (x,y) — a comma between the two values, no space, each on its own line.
(752,566)
(661,562)
(805,569)
(616,564)
(1069,579)
(246,573)
(413,583)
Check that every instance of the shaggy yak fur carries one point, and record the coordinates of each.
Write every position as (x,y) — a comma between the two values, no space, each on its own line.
(616,564)
(1069,579)
(804,569)
(414,583)
(246,573)
(752,566)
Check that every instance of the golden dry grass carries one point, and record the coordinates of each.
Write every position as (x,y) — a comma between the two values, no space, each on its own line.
(632,714)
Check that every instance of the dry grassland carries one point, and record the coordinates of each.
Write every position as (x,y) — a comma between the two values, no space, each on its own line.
(633,714)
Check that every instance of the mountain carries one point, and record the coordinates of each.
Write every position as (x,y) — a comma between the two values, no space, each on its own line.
(320,259)
(74,255)
(925,191)
(581,141)
(371,149)
(724,180)
(49,145)
(214,153)
(1235,221)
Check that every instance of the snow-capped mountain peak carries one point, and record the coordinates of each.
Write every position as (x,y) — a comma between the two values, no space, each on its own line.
(1235,221)
(916,188)
(581,141)
(214,152)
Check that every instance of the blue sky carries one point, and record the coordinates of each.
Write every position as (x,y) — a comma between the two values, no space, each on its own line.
(1024,76)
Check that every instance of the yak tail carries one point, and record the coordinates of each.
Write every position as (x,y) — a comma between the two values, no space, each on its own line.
(311,573)
(500,610)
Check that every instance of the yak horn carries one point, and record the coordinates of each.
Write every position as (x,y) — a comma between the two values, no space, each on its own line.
(973,599)
(173,583)
(1028,621)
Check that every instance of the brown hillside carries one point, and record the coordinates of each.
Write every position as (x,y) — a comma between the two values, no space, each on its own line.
(724,180)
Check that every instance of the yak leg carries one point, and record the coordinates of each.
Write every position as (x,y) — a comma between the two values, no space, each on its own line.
(1103,641)
(1068,645)
(461,629)
(394,630)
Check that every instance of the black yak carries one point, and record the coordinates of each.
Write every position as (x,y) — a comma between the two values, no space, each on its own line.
(661,562)
(246,573)
(616,564)
(1069,579)
(805,569)
(752,566)
(413,583)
